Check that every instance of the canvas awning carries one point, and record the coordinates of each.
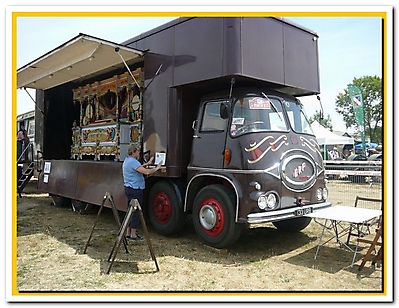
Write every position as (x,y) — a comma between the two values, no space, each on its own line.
(77,59)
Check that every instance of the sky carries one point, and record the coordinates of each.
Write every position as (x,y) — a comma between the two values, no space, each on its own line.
(349,47)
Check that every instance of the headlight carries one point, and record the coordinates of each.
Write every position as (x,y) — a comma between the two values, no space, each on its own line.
(262,202)
(269,201)
(319,194)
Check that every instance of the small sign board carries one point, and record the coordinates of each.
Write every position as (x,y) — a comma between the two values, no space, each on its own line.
(47,167)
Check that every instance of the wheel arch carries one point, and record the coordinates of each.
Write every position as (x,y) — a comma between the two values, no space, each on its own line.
(203,179)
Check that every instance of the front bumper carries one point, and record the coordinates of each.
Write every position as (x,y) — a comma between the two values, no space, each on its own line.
(284,213)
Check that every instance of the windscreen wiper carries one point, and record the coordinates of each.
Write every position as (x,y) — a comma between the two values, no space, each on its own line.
(273,107)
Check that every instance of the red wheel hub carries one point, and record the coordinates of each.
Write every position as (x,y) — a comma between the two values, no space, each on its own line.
(211,216)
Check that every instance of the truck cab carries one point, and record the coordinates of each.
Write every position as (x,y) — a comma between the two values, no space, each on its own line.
(256,160)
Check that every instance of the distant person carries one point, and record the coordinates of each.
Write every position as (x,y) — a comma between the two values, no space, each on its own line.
(334,154)
(22,139)
(371,152)
(134,183)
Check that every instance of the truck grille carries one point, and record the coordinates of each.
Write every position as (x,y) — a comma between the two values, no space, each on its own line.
(298,171)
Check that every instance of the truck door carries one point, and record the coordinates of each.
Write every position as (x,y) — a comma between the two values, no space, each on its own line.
(209,137)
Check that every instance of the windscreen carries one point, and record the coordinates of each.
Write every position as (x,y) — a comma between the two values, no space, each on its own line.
(297,117)
(266,113)
(257,114)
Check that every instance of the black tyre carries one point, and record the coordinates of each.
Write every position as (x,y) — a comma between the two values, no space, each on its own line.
(213,216)
(165,209)
(293,225)
(78,205)
(60,200)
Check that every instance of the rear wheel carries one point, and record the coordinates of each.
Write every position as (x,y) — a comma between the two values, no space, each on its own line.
(293,225)
(60,200)
(213,216)
(78,205)
(165,209)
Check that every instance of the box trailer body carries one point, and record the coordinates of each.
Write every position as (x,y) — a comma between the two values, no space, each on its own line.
(217,97)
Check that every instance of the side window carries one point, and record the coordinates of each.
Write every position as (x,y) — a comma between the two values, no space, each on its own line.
(31,128)
(211,120)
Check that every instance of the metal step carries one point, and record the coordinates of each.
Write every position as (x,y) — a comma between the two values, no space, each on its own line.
(25,177)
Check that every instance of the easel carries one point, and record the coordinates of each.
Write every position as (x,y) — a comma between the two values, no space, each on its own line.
(107,196)
(133,207)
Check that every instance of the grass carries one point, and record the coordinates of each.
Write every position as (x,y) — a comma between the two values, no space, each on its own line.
(50,257)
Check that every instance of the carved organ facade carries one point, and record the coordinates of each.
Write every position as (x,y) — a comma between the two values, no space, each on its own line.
(110,117)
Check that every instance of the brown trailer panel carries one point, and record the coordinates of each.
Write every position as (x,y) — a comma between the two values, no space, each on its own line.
(87,181)
(270,50)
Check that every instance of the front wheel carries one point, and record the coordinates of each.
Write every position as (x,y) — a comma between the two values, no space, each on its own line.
(293,225)
(213,216)
(165,209)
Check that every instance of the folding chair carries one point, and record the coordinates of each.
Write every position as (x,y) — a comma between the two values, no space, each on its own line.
(373,240)
(361,230)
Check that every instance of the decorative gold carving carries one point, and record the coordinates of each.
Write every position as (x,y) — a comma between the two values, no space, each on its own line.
(104,106)
(135,133)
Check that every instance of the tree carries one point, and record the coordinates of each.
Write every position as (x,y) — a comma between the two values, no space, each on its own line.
(371,87)
(324,122)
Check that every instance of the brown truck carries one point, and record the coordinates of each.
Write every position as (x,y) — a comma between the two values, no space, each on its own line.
(217,99)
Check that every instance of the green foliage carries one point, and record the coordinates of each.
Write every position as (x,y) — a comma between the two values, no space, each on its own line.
(371,87)
(324,122)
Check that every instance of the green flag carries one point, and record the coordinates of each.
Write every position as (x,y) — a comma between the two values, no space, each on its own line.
(356,98)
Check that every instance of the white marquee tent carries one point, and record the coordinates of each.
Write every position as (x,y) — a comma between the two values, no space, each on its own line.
(325,137)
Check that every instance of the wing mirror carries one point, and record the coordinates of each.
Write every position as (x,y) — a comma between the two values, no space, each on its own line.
(224,110)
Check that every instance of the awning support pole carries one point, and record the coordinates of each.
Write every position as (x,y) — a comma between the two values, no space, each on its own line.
(34,102)
(130,72)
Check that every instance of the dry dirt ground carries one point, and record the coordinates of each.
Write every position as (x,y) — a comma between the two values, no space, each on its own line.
(265,261)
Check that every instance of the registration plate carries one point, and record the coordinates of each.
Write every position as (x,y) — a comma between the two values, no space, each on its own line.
(301,212)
